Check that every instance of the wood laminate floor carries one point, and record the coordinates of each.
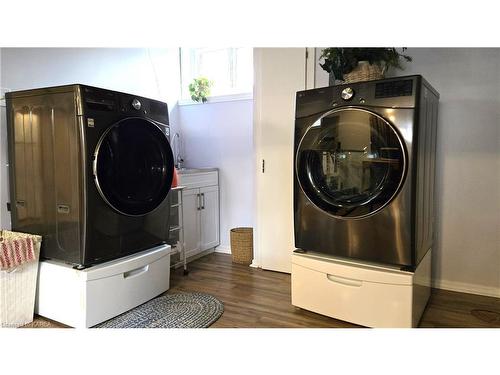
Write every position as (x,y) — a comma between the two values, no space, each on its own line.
(255,298)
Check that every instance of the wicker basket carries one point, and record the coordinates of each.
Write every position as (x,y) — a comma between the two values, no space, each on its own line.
(18,287)
(365,72)
(242,245)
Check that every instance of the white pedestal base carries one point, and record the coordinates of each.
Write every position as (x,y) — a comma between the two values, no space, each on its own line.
(359,293)
(90,296)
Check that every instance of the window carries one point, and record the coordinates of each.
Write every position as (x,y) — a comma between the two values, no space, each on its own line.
(230,69)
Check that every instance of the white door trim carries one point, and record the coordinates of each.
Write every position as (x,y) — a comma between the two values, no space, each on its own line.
(260,184)
(257,136)
(310,68)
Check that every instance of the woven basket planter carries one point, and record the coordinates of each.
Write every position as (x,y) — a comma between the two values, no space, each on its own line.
(363,72)
(242,245)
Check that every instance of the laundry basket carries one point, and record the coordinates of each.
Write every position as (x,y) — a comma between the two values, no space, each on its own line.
(242,245)
(18,285)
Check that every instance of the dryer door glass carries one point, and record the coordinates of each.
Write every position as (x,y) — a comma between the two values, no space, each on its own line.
(134,166)
(351,163)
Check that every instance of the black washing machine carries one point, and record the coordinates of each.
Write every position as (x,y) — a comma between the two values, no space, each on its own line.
(102,165)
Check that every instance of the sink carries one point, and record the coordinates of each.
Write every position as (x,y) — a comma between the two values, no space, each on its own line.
(195,170)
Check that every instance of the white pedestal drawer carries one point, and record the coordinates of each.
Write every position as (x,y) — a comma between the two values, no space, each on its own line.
(84,298)
(361,294)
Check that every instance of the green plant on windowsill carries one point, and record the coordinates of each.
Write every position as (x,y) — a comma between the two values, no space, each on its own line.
(199,89)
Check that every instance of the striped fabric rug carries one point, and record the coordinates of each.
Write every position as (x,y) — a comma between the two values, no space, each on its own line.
(177,310)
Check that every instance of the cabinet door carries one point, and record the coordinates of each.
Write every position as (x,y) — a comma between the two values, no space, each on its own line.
(210,236)
(191,220)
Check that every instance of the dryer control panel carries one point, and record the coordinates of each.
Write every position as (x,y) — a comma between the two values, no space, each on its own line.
(398,92)
(394,88)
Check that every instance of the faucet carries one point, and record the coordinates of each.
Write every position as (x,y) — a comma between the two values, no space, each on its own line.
(178,160)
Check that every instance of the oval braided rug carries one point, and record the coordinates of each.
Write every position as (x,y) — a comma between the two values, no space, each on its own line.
(179,310)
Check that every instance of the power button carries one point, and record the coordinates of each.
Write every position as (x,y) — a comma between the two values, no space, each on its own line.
(136,104)
(347,93)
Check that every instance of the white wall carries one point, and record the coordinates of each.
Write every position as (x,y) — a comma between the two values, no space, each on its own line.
(221,135)
(151,73)
(4,214)
(467,251)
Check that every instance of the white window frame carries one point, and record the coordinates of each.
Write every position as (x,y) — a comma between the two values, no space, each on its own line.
(218,99)
(210,99)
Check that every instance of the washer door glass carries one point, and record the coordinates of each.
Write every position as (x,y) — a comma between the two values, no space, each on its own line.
(134,166)
(350,163)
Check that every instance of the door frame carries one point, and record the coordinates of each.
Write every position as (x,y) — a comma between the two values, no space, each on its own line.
(309,83)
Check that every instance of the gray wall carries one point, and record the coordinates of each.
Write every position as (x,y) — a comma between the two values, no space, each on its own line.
(467,252)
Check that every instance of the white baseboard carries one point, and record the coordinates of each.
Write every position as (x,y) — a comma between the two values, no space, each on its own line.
(456,286)
(223,249)
(438,284)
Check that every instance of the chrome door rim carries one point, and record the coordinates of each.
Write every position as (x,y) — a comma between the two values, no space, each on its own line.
(96,154)
(401,143)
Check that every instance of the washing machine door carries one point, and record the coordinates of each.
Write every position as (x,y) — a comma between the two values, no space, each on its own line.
(351,163)
(133,166)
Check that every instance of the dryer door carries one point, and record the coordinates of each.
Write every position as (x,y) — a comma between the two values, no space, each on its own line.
(351,163)
(133,166)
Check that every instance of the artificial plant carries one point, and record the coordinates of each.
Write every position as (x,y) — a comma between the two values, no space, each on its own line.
(340,61)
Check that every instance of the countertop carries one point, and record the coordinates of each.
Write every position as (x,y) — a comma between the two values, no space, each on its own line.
(195,170)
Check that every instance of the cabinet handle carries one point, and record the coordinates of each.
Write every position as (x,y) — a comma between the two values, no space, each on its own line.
(203,201)
(199,202)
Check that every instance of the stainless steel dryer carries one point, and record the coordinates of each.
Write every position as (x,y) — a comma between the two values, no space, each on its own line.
(364,170)
(90,170)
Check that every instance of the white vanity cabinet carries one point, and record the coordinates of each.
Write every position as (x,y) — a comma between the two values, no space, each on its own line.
(200,210)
